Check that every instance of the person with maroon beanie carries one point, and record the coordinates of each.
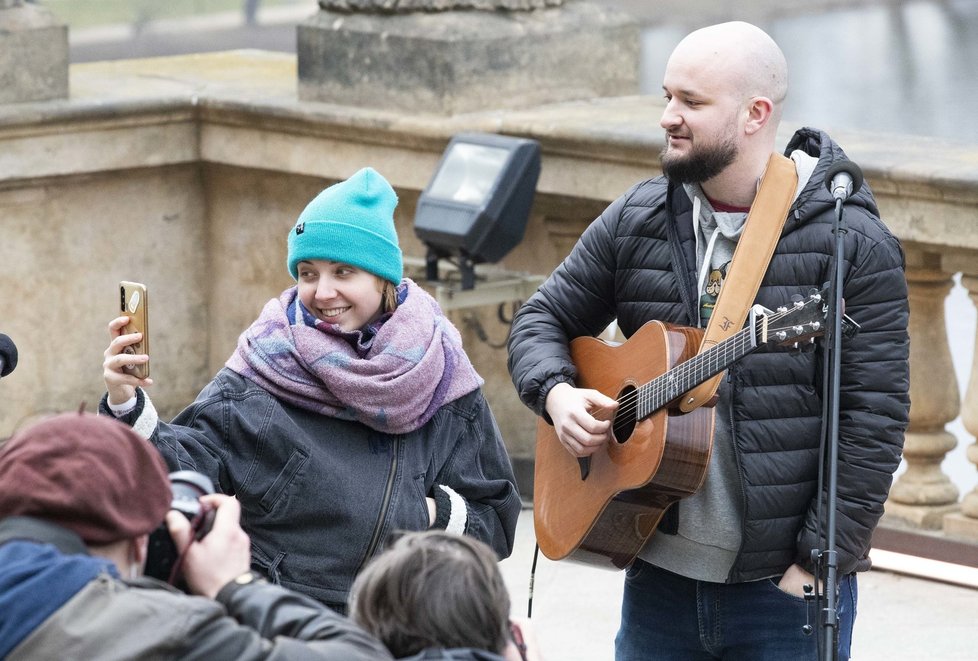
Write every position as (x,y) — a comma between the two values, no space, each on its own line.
(79,495)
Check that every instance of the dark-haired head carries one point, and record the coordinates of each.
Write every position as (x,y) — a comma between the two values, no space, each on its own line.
(433,589)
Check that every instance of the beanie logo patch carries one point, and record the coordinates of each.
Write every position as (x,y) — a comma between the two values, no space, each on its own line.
(300,228)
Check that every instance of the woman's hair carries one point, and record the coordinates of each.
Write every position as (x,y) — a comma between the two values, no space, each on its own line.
(388,296)
(433,589)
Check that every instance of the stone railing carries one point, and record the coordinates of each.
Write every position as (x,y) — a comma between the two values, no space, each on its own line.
(932,205)
(187,172)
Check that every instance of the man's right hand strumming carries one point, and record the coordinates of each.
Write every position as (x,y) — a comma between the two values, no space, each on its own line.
(582,418)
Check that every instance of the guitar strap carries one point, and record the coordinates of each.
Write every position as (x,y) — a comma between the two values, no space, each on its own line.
(748,265)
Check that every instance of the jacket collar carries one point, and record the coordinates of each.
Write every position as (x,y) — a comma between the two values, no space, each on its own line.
(37,530)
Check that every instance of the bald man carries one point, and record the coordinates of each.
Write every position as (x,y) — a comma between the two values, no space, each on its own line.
(722,577)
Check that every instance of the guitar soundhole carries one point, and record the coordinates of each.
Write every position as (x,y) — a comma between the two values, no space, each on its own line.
(624,423)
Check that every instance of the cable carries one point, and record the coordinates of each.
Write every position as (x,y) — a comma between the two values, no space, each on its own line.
(533,572)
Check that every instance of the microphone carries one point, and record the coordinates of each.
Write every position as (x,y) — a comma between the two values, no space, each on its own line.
(8,355)
(843,179)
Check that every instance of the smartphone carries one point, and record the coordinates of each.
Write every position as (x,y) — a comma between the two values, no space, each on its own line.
(134,303)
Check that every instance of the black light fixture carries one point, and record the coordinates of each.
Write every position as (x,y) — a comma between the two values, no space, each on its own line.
(475,208)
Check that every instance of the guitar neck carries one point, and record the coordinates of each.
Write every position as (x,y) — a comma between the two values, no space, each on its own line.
(682,378)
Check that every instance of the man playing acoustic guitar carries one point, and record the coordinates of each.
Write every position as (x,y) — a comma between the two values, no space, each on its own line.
(722,576)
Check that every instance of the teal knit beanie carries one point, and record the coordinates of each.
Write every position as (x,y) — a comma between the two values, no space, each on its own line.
(350,222)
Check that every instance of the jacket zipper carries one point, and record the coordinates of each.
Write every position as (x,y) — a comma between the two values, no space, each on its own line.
(740,475)
(375,538)
(679,259)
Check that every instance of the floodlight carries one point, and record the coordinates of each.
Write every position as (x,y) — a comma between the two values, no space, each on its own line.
(476,206)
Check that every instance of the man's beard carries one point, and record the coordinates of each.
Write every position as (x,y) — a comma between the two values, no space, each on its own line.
(700,164)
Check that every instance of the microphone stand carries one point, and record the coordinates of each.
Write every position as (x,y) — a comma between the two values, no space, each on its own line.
(829,557)
(850,177)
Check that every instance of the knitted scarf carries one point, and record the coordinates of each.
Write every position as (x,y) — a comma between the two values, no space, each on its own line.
(393,381)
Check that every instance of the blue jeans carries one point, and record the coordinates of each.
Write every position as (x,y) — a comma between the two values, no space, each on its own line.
(669,617)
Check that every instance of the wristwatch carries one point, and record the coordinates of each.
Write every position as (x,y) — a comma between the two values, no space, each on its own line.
(248,578)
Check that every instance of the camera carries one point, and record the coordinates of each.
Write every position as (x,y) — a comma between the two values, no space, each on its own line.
(161,554)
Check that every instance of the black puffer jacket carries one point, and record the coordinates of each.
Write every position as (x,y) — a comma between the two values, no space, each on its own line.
(637,262)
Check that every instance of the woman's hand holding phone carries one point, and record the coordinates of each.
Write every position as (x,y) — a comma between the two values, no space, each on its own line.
(120,384)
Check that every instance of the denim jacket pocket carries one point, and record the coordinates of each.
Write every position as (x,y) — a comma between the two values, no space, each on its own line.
(282,481)
(421,492)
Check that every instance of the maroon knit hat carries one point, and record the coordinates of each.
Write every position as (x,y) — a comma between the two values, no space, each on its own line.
(88,473)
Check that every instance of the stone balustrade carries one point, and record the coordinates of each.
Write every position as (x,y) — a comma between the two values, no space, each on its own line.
(187,172)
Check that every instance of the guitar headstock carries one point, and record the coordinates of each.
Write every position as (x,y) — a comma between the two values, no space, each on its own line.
(791,325)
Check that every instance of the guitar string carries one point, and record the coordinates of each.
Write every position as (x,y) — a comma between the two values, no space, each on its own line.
(679,374)
(665,388)
(689,373)
(674,377)
(679,377)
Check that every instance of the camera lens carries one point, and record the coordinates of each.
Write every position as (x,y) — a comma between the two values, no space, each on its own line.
(187,486)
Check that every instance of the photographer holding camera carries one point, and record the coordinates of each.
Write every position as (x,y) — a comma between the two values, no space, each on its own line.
(79,496)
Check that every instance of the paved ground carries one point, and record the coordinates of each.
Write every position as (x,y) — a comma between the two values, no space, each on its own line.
(900,618)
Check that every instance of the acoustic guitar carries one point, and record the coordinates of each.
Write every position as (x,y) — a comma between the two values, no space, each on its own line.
(602,509)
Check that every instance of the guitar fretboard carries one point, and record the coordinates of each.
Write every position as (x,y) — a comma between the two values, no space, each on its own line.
(684,377)
(786,325)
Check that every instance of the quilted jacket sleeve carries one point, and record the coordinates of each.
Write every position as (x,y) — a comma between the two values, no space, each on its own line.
(578,299)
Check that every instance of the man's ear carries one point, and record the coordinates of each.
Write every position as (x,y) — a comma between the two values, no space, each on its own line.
(140,545)
(759,111)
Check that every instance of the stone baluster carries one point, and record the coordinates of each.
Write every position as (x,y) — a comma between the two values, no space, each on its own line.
(33,53)
(965,523)
(923,494)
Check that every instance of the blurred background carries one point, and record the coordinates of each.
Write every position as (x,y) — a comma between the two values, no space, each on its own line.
(892,66)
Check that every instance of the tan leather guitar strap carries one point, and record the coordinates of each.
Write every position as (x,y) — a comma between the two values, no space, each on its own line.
(748,265)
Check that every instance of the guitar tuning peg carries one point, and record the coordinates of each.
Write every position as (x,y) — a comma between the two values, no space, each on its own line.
(797,298)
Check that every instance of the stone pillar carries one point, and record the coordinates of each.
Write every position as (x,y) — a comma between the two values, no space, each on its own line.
(923,494)
(965,523)
(33,53)
(457,56)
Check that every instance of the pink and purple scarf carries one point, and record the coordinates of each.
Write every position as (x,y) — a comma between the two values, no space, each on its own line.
(393,382)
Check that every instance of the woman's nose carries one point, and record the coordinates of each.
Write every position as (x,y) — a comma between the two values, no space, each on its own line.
(325,288)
